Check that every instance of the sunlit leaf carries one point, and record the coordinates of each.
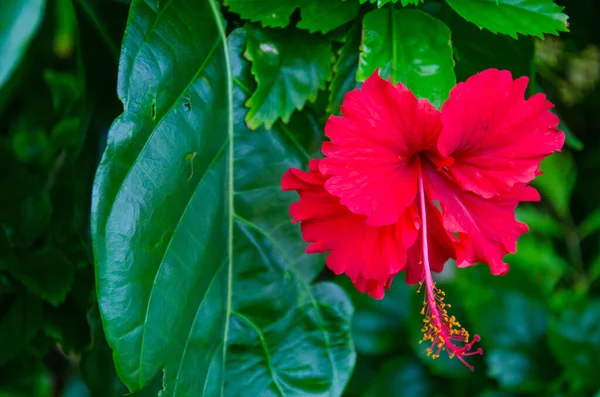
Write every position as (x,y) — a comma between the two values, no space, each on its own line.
(411,47)
(528,17)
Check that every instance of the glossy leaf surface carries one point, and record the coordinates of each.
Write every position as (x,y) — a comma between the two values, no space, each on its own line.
(411,47)
(528,17)
(19,20)
(290,67)
(189,292)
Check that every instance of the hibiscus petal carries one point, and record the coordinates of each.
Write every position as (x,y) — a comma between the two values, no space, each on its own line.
(496,138)
(369,255)
(486,228)
(371,154)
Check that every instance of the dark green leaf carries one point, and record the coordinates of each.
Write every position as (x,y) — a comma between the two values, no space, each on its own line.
(290,67)
(180,197)
(315,15)
(344,70)
(574,338)
(26,209)
(529,17)
(46,273)
(19,21)
(19,322)
(410,47)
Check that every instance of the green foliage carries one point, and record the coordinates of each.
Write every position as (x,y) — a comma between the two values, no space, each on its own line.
(316,15)
(243,212)
(423,63)
(289,67)
(528,17)
(145,243)
(19,21)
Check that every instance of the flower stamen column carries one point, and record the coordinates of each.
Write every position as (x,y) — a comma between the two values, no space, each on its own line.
(439,328)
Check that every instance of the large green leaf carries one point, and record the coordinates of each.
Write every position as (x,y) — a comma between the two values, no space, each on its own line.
(315,15)
(199,272)
(529,17)
(411,47)
(19,21)
(290,66)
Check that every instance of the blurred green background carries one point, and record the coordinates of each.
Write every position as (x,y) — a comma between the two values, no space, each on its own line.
(540,324)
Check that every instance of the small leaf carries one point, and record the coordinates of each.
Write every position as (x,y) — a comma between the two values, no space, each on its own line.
(557,183)
(315,15)
(46,273)
(19,20)
(411,47)
(290,67)
(528,17)
(344,70)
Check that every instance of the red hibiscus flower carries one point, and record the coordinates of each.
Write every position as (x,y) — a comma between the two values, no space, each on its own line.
(404,186)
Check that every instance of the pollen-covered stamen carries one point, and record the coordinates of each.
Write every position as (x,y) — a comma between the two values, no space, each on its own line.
(441,329)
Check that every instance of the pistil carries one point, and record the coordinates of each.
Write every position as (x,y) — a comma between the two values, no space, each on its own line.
(443,331)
